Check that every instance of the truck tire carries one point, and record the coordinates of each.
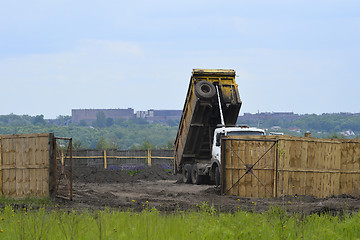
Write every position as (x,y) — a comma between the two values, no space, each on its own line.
(186,173)
(205,90)
(195,177)
(217,176)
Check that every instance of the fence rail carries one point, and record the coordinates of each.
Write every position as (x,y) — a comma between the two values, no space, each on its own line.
(105,159)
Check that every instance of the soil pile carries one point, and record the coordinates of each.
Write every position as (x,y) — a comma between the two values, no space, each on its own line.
(100,175)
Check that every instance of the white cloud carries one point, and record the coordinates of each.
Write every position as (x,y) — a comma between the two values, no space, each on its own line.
(289,55)
(92,69)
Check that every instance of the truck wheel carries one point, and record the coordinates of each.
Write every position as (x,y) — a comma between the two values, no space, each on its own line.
(217,176)
(205,90)
(186,172)
(195,177)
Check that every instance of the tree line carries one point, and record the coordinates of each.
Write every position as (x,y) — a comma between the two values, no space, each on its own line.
(107,133)
(101,134)
(324,125)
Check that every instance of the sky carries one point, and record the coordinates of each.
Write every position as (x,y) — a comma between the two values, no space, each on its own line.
(298,56)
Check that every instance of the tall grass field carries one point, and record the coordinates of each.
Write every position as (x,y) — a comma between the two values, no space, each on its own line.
(206,223)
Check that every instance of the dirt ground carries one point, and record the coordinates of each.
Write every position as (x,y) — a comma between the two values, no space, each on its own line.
(155,187)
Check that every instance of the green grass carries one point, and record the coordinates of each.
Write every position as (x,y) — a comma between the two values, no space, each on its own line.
(206,223)
(28,201)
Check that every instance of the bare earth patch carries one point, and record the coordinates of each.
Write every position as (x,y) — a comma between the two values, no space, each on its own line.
(155,187)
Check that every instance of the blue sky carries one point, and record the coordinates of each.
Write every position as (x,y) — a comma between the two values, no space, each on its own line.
(300,56)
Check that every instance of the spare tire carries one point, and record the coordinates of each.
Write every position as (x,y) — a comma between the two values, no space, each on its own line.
(205,90)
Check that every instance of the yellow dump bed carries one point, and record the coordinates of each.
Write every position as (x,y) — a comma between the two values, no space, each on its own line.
(201,114)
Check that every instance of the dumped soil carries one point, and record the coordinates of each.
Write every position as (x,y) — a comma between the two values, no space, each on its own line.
(100,175)
(95,188)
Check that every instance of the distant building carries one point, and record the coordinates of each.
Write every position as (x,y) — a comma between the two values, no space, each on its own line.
(295,129)
(269,115)
(89,115)
(152,115)
(348,133)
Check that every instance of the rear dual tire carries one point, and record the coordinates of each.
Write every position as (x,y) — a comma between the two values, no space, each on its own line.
(195,177)
(186,173)
(190,174)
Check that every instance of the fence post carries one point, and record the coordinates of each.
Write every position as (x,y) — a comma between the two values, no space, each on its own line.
(70,170)
(62,157)
(105,160)
(149,157)
(275,179)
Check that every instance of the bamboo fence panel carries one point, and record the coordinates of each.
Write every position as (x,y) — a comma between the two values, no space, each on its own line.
(249,168)
(294,166)
(25,165)
(350,161)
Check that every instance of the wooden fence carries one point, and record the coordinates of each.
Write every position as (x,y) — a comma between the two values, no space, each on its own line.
(272,166)
(116,158)
(26,166)
(253,166)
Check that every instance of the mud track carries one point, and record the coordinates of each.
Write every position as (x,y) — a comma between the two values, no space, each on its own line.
(155,187)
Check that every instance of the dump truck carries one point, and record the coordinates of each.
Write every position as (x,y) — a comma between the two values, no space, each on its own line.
(210,111)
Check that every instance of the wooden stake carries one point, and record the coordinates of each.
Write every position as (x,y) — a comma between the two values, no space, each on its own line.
(149,157)
(105,160)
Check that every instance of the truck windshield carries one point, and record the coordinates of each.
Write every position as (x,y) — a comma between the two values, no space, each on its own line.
(242,133)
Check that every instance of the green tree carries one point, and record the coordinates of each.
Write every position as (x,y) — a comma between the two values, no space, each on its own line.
(77,145)
(83,123)
(102,144)
(144,146)
(39,120)
(61,120)
(168,146)
(109,122)
(100,120)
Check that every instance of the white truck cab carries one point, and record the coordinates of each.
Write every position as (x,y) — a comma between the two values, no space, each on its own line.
(242,130)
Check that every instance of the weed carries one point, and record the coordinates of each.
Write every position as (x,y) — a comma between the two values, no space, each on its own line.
(205,223)
(132,169)
(205,208)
